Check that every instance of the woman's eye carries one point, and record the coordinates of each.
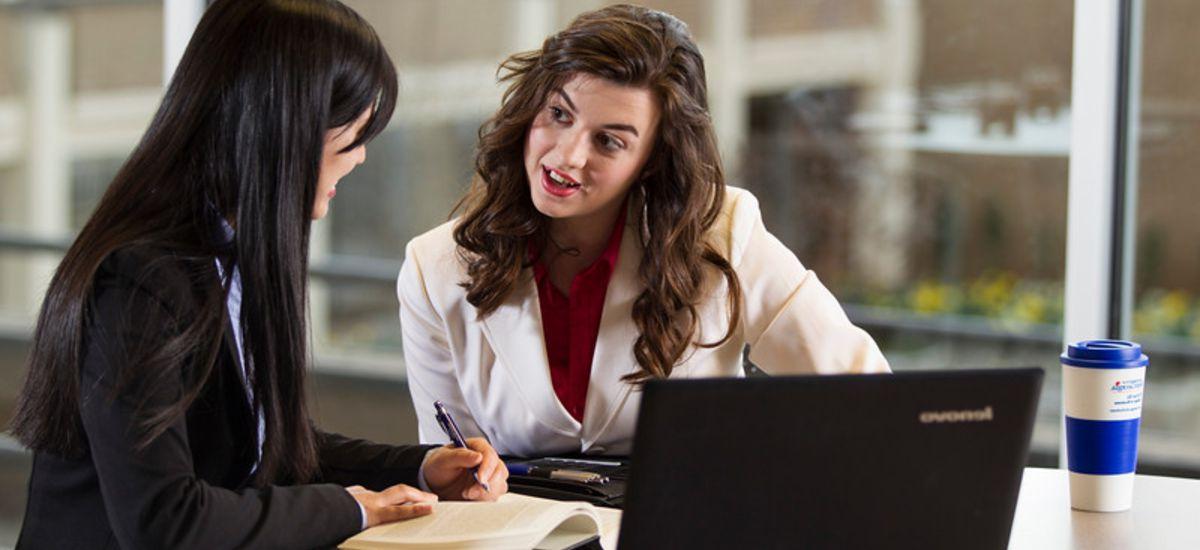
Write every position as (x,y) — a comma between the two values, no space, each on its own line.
(558,114)
(610,143)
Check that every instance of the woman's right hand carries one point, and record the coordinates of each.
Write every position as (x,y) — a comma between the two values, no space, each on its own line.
(395,503)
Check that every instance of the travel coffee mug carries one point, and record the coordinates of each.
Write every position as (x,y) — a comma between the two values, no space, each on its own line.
(1103,383)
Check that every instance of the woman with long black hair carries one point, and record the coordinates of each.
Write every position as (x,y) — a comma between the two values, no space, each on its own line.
(165,398)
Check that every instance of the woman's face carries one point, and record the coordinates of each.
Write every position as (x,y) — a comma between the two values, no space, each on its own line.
(335,165)
(587,146)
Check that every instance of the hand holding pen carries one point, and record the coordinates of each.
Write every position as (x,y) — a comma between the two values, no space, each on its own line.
(488,476)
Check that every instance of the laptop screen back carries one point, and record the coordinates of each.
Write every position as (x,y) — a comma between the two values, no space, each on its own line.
(929,459)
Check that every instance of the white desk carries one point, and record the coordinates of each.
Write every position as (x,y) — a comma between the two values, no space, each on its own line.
(1165,516)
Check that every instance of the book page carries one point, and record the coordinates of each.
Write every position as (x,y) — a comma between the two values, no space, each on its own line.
(610,526)
(511,514)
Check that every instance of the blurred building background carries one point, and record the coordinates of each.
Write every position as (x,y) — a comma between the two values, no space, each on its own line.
(913,152)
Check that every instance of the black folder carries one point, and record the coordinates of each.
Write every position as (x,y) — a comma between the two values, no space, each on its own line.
(610,493)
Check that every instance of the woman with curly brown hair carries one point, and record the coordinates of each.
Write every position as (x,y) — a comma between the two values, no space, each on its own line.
(599,247)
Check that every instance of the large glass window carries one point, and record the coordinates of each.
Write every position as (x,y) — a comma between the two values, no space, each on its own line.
(79,82)
(78,85)
(1166,271)
(916,159)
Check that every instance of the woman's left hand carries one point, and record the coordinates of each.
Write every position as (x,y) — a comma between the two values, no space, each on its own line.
(448,471)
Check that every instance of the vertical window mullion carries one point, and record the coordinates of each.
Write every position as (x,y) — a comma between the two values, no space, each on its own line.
(1129,85)
(179,20)
(1095,189)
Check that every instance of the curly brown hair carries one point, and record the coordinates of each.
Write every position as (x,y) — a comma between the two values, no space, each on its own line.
(676,200)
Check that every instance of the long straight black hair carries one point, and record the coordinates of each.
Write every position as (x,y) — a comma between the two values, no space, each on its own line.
(238,136)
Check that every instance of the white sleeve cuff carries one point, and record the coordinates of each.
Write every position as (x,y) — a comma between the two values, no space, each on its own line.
(421,484)
(362,510)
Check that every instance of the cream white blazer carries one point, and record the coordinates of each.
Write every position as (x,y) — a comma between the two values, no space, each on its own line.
(493,375)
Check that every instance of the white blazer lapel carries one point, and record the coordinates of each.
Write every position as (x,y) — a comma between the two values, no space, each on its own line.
(515,333)
(613,357)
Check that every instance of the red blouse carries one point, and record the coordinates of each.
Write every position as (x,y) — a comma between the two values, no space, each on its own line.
(571,323)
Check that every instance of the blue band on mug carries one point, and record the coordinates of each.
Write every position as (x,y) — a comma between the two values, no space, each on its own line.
(1102,447)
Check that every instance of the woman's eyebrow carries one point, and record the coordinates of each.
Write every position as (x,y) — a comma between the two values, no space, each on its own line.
(622,127)
(567,99)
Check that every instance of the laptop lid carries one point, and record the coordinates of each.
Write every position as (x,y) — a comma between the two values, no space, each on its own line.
(929,459)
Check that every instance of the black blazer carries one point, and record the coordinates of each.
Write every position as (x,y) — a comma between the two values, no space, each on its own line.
(190,488)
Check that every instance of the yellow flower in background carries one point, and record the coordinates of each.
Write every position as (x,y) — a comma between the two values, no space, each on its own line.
(1142,322)
(991,293)
(1012,302)
(934,297)
(1164,312)
(1029,307)
(1175,305)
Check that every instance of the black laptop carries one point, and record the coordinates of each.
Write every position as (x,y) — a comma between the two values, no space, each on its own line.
(929,459)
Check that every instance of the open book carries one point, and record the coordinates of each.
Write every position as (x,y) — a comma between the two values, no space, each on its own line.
(513,521)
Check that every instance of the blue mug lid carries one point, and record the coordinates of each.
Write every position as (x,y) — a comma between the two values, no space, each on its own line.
(1105,354)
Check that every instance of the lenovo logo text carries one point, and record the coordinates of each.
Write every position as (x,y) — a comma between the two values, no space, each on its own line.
(952,417)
